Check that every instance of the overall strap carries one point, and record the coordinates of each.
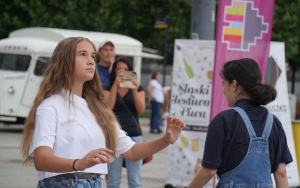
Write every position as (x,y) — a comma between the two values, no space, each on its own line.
(247,121)
(268,126)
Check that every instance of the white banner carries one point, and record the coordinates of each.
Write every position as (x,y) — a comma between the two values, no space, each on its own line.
(190,100)
(280,106)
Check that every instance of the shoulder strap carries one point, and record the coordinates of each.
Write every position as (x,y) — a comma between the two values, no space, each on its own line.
(268,126)
(247,121)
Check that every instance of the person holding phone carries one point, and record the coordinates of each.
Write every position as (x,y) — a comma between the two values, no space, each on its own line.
(126,97)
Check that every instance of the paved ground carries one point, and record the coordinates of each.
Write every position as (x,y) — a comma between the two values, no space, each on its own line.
(15,175)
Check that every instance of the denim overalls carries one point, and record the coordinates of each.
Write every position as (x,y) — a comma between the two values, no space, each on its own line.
(255,169)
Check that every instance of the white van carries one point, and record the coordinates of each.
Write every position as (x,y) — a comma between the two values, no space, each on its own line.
(24,56)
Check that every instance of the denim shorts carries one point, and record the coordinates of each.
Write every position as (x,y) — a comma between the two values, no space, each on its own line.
(74,182)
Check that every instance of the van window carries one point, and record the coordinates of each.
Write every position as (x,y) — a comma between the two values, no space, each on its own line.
(14,62)
(41,65)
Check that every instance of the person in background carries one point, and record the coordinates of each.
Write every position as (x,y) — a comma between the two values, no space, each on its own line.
(156,95)
(166,106)
(70,133)
(127,104)
(105,59)
(246,144)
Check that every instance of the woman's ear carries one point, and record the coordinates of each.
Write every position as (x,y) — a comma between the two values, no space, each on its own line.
(234,84)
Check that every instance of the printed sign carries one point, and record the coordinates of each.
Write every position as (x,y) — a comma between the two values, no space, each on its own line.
(185,155)
(191,101)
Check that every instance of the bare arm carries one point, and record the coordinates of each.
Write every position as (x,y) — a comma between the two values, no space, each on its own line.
(44,160)
(149,89)
(112,94)
(143,149)
(139,97)
(280,176)
(139,101)
(202,177)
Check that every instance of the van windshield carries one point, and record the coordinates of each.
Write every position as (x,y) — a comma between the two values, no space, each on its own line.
(14,62)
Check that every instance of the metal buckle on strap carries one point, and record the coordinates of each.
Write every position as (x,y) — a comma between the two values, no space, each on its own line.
(79,175)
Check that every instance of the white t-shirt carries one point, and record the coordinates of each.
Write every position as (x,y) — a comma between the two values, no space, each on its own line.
(157,91)
(72,131)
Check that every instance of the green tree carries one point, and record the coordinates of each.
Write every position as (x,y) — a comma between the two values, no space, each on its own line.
(14,15)
(134,18)
(286,28)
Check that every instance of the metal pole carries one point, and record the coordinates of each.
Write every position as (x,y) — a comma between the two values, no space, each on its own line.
(294,69)
(203,19)
(165,56)
(164,24)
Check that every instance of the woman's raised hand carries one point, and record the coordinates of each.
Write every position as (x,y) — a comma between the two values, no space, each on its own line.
(173,130)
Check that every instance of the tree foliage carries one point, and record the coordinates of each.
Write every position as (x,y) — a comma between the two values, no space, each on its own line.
(134,18)
(286,27)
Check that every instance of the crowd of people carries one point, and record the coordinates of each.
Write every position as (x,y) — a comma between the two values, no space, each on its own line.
(84,123)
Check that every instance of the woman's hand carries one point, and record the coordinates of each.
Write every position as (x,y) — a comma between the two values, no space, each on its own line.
(135,82)
(120,77)
(173,130)
(94,157)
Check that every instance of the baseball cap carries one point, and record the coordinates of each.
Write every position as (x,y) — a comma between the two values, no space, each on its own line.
(105,42)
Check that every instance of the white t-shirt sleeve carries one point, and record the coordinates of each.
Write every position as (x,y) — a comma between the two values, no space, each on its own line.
(124,142)
(45,129)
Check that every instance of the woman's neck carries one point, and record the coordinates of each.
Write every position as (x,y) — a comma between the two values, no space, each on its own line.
(77,89)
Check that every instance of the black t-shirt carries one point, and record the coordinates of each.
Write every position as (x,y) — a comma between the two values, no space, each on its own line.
(227,138)
(128,117)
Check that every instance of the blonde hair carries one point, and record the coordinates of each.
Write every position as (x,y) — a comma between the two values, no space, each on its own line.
(60,74)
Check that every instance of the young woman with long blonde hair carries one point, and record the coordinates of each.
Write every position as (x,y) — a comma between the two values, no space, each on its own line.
(70,134)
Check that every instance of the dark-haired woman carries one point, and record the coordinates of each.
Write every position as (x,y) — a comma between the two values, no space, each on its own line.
(127,102)
(245,144)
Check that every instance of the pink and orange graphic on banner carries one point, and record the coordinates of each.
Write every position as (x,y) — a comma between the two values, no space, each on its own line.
(244,29)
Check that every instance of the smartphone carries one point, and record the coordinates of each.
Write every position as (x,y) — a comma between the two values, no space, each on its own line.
(129,75)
